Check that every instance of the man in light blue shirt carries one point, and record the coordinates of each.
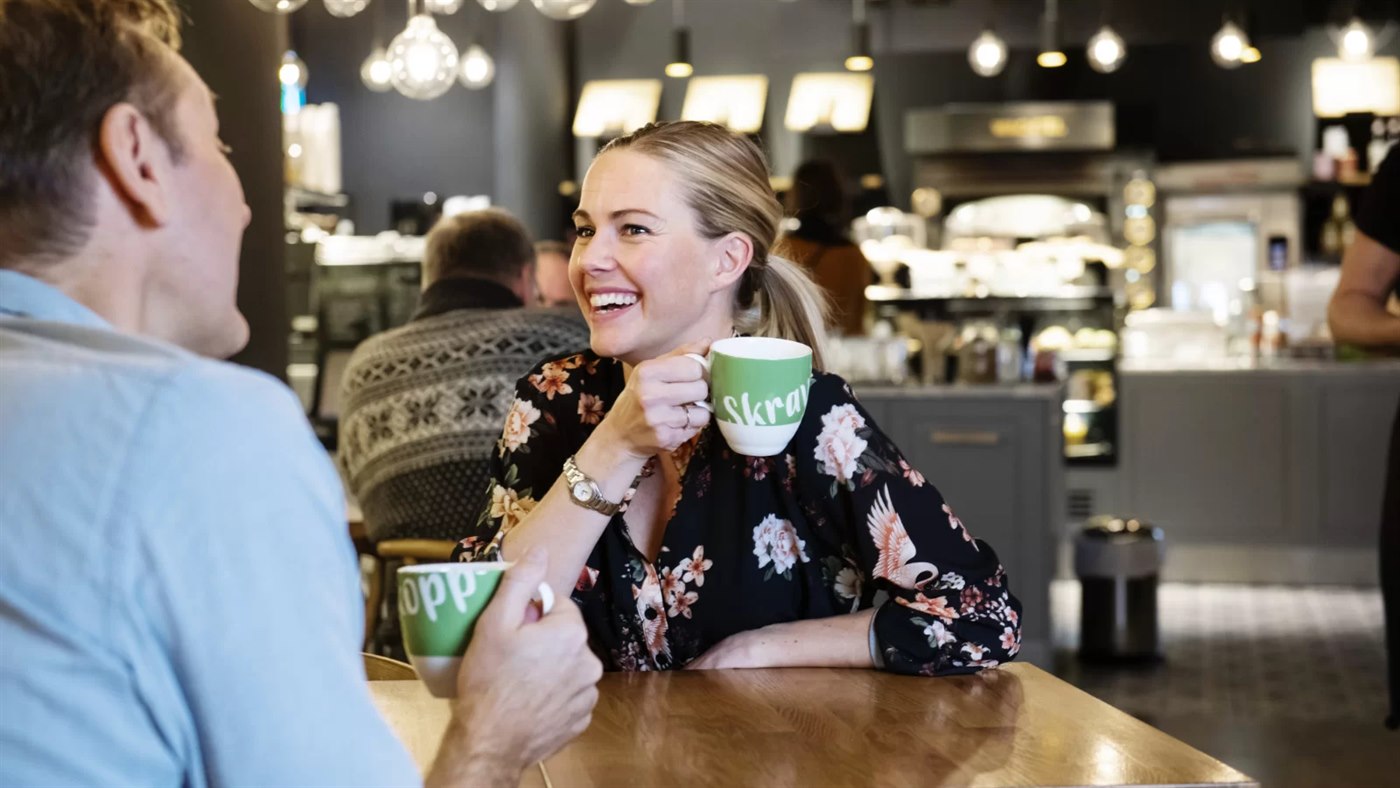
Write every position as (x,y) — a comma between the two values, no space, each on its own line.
(179,602)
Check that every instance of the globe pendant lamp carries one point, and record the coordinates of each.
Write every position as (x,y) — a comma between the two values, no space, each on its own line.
(477,69)
(564,10)
(423,59)
(278,6)
(345,8)
(497,5)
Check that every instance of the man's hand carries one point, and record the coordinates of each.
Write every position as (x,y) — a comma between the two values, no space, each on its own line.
(526,688)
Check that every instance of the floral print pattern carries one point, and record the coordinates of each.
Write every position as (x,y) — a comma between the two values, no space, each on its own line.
(834,524)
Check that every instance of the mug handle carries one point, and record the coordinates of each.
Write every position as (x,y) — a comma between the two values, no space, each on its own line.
(705,364)
(545,596)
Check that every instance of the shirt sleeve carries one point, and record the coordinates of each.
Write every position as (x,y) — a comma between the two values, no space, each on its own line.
(949,609)
(1380,205)
(530,454)
(247,589)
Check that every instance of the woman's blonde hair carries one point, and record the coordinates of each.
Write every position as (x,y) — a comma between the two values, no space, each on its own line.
(724,179)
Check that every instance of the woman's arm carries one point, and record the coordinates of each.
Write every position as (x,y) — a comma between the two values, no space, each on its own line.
(836,642)
(1357,313)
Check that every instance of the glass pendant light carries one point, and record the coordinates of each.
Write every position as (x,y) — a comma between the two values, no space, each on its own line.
(377,72)
(442,6)
(564,9)
(346,8)
(987,55)
(639,2)
(292,72)
(1106,51)
(1228,45)
(477,69)
(1050,56)
(278,6)
(497,5)
(1356,42)
(423,59)
(859,59)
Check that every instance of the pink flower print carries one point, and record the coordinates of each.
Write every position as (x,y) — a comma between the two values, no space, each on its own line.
(974,651)
(649,600)
(935,606)
(971,598)
(695,566)
(680,606)
(838,447)
(587,578)
(671,584)
(844,417)
(756,468)
(775,541)
(1013,616)
(590,409)
(552,379)
(1010,641)
(915,478)
(517,432)
(956,524)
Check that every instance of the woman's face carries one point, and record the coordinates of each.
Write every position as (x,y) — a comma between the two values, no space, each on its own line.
(646,279)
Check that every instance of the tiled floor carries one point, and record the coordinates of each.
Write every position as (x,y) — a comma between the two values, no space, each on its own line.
(1284,683)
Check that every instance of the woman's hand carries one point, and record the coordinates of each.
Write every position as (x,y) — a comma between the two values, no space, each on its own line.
(740,650)
(835,642)
(656,412)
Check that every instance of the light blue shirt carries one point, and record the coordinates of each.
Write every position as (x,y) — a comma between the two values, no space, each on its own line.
(179,602)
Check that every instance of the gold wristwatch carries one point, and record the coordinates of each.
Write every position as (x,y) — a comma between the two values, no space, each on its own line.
(585,492)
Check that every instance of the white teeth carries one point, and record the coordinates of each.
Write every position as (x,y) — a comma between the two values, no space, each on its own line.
(612,299)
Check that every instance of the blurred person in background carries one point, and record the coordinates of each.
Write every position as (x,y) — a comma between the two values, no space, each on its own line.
(1360,315)
(179,599)
(820,244)
(552,275)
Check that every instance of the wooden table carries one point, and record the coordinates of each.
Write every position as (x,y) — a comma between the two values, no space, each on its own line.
(1013,726)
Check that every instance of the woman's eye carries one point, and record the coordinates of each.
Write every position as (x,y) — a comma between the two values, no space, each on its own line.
(635,229)
(584,232)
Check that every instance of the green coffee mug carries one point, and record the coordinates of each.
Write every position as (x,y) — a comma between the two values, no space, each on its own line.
(758,391)
(438,608)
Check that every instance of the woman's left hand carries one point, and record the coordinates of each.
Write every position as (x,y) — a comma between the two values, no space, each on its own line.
(740,650)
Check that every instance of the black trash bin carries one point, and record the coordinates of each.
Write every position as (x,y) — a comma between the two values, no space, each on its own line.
(1118,561)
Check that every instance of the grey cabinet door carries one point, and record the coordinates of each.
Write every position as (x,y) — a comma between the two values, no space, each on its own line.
(1355,437)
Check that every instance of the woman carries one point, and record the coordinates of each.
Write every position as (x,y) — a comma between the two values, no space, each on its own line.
(722,560)
(1358,316)
(818,202)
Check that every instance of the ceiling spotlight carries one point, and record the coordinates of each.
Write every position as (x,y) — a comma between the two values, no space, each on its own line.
(1228,45)
(680,66)
(1051,56)
(1106,51)
(987,55)
(1355,42)
(859,59)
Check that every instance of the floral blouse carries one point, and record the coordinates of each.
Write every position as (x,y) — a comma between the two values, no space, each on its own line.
(838,523)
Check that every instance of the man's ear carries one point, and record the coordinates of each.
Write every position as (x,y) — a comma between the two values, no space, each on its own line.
(734,253)
(136,161)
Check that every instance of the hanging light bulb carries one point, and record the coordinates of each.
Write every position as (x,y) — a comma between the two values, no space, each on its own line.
(278,6)
(345,8)
(377,72)
(987,55)
(1251,54)
(423,59)
(563,9)
(478,69)
(442,6)
(680,66)
(1106,51)
(1355,42)
(1051,56)
(292,72)
(1228,45)
(859,59)
(497,5)
(639,2)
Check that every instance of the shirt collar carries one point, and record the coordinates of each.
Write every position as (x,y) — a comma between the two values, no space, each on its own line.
(24,296)
(446,295)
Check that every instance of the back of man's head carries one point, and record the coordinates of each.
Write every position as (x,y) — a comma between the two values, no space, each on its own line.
(63,65)
(488,244)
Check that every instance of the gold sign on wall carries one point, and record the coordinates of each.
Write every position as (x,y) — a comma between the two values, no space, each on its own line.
(1029,127)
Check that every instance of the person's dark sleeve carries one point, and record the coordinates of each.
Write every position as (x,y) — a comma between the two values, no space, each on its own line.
(949,609)
(1379,214)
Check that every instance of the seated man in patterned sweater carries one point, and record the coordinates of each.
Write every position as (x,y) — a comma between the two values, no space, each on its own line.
(424,402)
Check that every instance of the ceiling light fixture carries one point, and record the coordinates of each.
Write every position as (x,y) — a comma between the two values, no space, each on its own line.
(859,59)
(1228,45)
(1051,56)
(424,60)
(987,55)
(278,6)
(1356,42)
(680,66)
(345,8)
(564,10)
(478,68)
(497,5)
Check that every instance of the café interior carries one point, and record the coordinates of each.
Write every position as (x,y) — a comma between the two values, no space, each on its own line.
(1100,242)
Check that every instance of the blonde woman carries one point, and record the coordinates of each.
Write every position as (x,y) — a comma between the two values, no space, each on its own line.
(690,555)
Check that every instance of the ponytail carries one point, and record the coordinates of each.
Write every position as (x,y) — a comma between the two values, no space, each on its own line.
(790,305)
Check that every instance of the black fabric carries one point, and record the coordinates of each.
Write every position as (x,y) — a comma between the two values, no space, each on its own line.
(752,541)
(445,295)
(1390,569)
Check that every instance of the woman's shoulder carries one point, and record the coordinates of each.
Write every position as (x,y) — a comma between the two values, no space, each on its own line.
(828,390)
(571,375)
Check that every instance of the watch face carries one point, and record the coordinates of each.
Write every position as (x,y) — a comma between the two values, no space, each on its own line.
(582,491)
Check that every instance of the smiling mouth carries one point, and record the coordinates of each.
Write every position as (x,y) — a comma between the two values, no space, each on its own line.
(606,303)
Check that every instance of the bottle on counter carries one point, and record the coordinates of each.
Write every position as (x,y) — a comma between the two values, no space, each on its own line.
(1379,145)
(1337,228)
(1010,356)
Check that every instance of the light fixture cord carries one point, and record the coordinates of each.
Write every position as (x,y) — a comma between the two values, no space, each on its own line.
(678,13)
(858,11)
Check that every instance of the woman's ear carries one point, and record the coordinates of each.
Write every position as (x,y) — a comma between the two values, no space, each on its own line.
(733,253)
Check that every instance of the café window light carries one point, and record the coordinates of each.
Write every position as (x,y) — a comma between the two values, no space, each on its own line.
(1051,56)
(564,10)
(679,66)
(345,8)
(859,59)
(1106,51)
(278,6)
(1228,45)
(736,102)
(1342,88)
(423,59)
(1355,42)
(987,55)
(478,68)
(839,101)
(497,5)
(612,107)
